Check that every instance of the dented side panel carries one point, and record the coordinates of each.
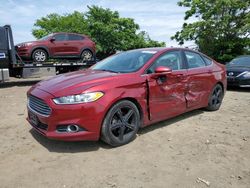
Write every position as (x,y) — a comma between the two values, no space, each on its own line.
(167,95)
(199,84)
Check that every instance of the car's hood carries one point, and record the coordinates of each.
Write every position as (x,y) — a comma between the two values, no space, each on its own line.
(237,68)
(29,42)
(75,82)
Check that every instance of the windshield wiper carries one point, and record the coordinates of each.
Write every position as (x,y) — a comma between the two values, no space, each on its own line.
(107,70)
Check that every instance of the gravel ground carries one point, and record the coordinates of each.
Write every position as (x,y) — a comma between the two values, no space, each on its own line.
(197,149)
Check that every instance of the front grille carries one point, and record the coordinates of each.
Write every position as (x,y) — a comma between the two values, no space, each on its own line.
(39,106)
(42,126)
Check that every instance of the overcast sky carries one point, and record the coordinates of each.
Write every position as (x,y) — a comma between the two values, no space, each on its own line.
(160,18)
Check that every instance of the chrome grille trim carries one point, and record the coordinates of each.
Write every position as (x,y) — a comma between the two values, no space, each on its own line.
(38,106)
(241,73)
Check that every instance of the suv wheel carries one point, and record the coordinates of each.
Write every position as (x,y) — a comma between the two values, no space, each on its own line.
(39,55)
(86,55)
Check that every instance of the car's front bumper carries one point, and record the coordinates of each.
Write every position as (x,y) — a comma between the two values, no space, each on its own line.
(23,51)
(87,116)
(238,82)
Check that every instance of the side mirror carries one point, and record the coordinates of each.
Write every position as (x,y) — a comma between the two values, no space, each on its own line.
(161,73)
(163,70)
(52,39)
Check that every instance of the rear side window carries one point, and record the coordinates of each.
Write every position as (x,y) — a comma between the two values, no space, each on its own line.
(75,37)
(194,60)
(60,37)
(3,39)
(207,60)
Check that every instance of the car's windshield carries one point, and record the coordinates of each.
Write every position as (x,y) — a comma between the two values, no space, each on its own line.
(125,62)
(46,37)
(241,61)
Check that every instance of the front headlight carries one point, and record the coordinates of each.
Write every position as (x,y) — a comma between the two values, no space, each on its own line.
(81,98)
(246,75)
(25,44)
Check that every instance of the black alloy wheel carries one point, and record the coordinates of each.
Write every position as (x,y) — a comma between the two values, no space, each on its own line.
(215,98)
(121,123)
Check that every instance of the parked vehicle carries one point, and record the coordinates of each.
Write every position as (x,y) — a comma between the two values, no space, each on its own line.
(124,92)
(58,45)
(238,71)
(11,65)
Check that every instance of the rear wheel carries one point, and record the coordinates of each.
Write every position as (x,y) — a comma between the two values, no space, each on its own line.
(215,98)
(121,123)
(39,55)
(86,55)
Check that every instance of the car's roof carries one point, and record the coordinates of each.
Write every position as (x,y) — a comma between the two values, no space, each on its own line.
(68,33)
(242,56)
(165,49)
(159,49)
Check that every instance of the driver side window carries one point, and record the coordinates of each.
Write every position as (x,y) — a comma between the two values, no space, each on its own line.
(171,59)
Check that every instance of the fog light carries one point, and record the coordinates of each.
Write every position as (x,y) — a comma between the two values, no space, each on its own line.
(72,128)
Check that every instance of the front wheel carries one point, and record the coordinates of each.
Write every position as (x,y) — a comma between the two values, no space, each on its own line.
(121,123)
(215,98)
(39,55)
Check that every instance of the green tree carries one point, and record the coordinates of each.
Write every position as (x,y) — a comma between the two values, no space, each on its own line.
(52,23)
(222,28)
(110,31)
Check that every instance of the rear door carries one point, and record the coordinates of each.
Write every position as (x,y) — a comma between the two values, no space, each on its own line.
(4,56)
(198,79)
(75,43)
(167,92)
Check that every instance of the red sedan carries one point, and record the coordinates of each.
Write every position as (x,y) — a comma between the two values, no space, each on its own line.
(124,92)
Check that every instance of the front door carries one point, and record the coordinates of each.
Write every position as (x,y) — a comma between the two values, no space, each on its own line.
(167,92)
(59,46)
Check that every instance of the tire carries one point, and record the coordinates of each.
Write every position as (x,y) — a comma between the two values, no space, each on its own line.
(215,98)
(86,55)
(121,123)
(39,55)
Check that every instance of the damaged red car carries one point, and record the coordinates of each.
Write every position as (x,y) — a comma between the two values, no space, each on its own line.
(124,92)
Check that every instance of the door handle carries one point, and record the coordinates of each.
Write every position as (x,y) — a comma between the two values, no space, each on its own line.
(180,76)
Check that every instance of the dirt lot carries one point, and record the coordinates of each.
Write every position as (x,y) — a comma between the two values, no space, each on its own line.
(213,146)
